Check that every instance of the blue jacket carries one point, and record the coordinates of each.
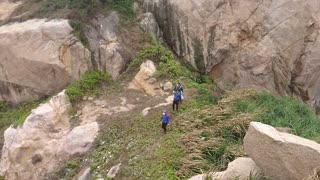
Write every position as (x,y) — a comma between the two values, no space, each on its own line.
(177,96)
(165,119)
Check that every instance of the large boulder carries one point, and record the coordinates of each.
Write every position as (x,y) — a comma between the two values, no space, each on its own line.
(45,141)
(39,57)
(240,168)
(281,155)
(7,7)
(112,60)
(247,43)
(109,54)
(140,81)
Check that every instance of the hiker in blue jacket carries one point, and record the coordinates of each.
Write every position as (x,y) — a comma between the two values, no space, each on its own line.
(176,101)
(165,120)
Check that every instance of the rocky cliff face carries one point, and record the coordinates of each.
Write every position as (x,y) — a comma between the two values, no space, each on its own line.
(264,43)
(38,58)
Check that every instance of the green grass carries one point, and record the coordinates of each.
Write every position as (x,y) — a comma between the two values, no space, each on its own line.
(205,95)
(88,85)
(144,151)
(167,66)
(81,9)
(282,112)
(16,115)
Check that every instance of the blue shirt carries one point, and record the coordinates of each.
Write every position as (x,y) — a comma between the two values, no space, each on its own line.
(177,96)
(165,119)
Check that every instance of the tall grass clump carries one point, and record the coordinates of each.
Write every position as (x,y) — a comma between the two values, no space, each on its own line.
(282,112)
(87,85)
(167,66)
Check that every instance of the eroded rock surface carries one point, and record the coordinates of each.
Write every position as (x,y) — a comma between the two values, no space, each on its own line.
(140,81)
(45,141)
(39,57)
(109,55)
(240,168)
(150,25)
(281,155)
(7,7)
(247,43)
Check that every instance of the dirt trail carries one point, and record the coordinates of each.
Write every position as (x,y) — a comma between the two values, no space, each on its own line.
(126,136)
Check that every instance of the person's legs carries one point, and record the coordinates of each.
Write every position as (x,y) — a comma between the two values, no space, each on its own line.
(177,105)
(164,127)
(173,104)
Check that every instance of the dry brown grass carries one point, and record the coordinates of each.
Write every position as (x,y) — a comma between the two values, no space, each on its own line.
(206,128)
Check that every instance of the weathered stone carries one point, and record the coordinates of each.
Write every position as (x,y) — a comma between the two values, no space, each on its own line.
(44,141)
(150,25)
(85,175)
(39,57)
(7,7)
(112,60)
(168,86)
(240,168)
(281,155)
(147,69)
(109,55)
(152,80)
(247,43)
(114,171)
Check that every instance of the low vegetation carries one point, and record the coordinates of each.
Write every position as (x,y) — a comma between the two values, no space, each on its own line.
(282,112)
(16,115)
(167,66)
(88,85)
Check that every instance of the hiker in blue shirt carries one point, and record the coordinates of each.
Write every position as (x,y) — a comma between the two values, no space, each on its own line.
(165,120)
(176,101)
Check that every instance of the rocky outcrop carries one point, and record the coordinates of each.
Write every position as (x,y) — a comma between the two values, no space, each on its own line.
(150,25)
(248,43)
(281,155)
(44,141)
(109,54)
(39,57)
(7,7)
(240,169)
(140,81)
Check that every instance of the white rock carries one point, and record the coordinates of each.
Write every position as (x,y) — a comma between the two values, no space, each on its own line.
(240,168)
(114,171)
(168,86)
(44,141)
(85,175)
(46,56)
(147,69)
(145,112)
(281,155)
(80,139)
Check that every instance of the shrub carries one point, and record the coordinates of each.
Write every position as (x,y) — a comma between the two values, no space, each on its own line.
(3,106)
(87,85)
(167,66)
